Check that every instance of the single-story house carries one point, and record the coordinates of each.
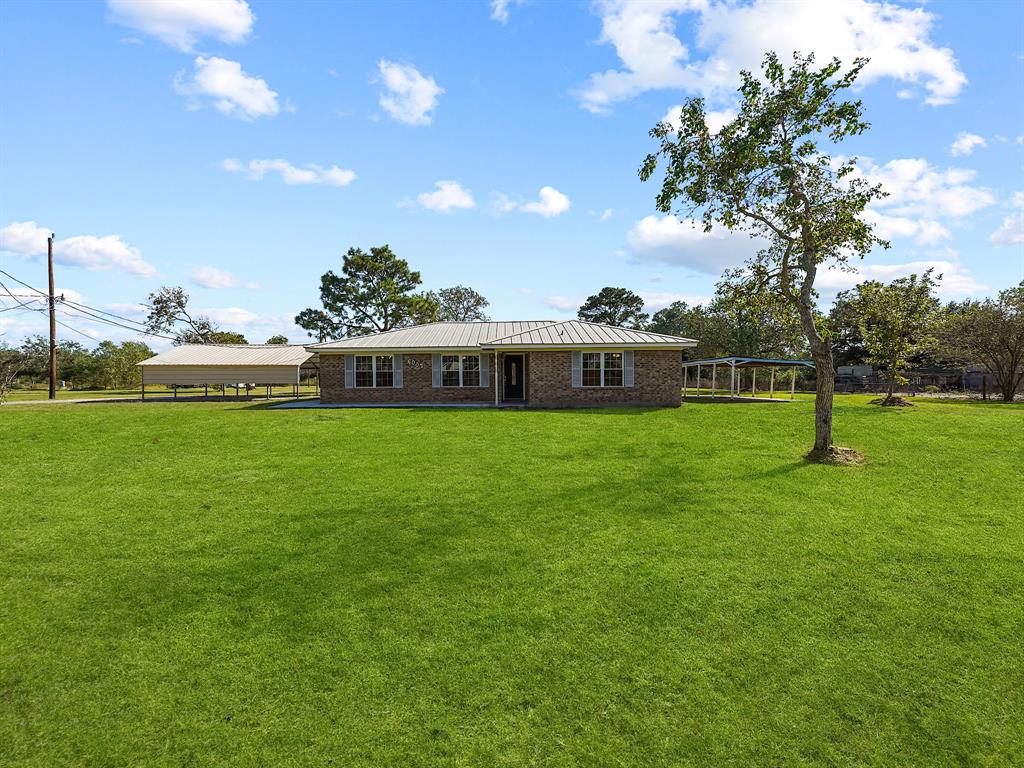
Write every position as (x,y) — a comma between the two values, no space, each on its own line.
(204,364)
(540,363)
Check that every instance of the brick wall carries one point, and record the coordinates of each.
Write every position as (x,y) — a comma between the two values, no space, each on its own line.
(658,376)
(416,385)
(658,380)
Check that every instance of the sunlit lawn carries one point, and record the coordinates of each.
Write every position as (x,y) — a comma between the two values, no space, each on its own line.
(222,584)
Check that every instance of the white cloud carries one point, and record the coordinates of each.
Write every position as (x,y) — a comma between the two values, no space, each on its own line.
(212,277)
(716,119)
(255,170)
(180,23)
(230,317)
(499,9)
(917,188)
(564,303)
(410,97)
(668,240)
(28,239)
(965,143)
(957,281)
(1011,231)
(604,215)
(447,195)
(734,37)
(233,91)
(550,203)
(659,300)
(924,231)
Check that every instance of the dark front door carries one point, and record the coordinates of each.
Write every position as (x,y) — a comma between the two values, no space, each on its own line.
(515,385)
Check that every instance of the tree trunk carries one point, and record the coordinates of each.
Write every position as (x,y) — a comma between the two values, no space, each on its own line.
(821,353)
(824,390)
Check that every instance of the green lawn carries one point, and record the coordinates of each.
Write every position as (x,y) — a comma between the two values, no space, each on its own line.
(210,584)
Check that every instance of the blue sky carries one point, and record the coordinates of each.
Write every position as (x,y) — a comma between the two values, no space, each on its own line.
(238,149)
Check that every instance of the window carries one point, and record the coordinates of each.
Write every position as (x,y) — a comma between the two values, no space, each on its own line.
(602,369)
(375,371)
(384,375)
(471,370)
(460,370)
(364,370)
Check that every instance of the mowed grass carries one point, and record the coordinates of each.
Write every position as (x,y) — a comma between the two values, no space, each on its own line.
(221,584)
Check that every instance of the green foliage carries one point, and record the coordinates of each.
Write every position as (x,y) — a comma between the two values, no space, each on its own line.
(458,303)
(277,339)
(116,365)
(766,173)
(374,293)
(734,324)
(895,320)
(990,332)
(168,313)
(614,306)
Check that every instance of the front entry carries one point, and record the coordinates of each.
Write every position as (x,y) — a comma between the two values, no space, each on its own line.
(515,381)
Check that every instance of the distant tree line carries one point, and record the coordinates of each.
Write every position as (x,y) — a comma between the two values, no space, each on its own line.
(894,327)
(108,366)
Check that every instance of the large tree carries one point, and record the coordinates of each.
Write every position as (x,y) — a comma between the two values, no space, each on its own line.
(168,312)
(896,321)
(766,174)
(990,332)
(614,306)
(458,303)
(116,365)
(374,293)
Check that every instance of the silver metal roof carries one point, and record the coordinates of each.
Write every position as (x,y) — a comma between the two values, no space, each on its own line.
(749,362)
(449,335)
(232,354)
(579,333)
(515,334)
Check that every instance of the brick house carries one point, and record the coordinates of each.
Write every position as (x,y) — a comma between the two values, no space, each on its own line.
(537,363)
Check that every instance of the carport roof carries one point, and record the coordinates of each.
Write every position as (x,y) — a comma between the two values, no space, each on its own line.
(232,354)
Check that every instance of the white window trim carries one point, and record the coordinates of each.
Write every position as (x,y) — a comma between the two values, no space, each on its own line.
(602,352)
(460,355)
(373,372)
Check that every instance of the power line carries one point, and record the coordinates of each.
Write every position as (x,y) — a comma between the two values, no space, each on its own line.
(100,319)
(16,299)
(23,283)
(78,305)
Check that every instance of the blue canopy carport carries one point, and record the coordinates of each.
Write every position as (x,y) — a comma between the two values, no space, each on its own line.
(736,366)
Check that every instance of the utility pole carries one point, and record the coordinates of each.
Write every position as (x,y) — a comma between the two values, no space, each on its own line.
(53,320)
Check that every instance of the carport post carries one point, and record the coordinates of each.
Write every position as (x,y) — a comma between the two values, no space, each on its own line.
(175,391)
(714,379)
(771,384)
(753,382)
(686,370)
(792,385)
(143,382)
(698,379)
(732,380)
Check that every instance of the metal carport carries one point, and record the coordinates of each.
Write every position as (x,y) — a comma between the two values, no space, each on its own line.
(736,366)
(229,364)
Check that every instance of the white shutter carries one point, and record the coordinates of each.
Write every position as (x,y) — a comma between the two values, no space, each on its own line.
(484,369)
(627,368)
(399,373)
(350,371)
(577,369)
(435,371)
